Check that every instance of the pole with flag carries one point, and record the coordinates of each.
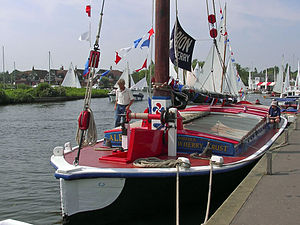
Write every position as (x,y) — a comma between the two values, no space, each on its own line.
(89,11)
(86,36)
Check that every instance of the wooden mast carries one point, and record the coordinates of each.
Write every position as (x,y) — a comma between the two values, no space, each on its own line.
(162,35)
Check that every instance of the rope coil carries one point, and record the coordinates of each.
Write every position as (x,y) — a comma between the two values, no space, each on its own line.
(153,162)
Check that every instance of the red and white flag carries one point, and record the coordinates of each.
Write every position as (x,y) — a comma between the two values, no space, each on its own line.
(144,66)
(88,10)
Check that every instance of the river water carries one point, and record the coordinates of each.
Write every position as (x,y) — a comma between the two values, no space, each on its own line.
(28,133)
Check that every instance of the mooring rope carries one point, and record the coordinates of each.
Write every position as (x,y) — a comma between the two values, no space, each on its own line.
(153,162)
(209,192)
(89,136)
(177,194)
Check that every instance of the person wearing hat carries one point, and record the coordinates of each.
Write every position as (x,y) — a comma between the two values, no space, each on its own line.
(274,113)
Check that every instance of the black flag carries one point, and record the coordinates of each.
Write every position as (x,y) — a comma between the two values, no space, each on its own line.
(185,46)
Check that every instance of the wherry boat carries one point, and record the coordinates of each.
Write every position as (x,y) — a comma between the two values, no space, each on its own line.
(117,178)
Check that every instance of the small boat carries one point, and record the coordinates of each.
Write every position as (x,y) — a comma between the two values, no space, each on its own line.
(164,157)
(289,107)
(71,78)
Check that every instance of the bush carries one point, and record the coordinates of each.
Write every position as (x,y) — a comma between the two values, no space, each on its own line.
(20,96)
(3,97)
(45,90)
(61,91)
(23,86)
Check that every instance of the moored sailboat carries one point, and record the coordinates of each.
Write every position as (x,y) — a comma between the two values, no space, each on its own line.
(108,181)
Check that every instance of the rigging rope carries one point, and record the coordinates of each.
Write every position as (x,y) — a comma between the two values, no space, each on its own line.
(89,137)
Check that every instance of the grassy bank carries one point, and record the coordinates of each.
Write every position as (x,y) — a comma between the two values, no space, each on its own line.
(44,92)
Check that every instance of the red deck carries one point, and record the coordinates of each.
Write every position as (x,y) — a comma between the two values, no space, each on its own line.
(90,157)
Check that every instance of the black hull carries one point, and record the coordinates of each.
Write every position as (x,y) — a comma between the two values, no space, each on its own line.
(152,200)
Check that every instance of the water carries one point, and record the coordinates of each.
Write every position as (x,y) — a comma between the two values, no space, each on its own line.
(28,190)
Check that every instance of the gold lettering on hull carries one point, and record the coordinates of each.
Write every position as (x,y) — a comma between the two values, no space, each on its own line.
(191,143)
(115,137)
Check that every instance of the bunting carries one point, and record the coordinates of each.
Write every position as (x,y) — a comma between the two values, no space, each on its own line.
(141,42)
(150,32)
(88,10)
(118,58)
(103,74)
(144,66)
(146,43)
(136,42)
(84,37)
(86,68)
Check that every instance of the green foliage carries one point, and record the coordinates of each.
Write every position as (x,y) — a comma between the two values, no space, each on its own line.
(243,72)
(19,96)
(23,86)
(42,86)
(105,82)
(61,91)
(80,92)
(3,97)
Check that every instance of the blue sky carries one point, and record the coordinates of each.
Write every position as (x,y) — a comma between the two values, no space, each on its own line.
(260,31)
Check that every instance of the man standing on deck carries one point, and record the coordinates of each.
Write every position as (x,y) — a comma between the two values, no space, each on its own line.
(124,99)
(274,113)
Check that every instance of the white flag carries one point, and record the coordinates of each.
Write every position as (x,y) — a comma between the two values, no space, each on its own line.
(85,37)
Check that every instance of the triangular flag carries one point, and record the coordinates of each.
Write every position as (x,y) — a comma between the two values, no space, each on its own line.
(84,37)
(150,32)
(86,68)
(136,42)
(146,43)
(124,51)
(88,10)
(104,74)
(144,66)
(118,58)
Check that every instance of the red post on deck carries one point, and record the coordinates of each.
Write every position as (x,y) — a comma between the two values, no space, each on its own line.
(162,36)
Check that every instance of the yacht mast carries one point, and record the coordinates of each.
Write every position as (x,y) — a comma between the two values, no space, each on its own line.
(49,68)
(3,65)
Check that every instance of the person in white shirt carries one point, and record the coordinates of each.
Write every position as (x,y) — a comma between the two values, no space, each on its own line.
(124,99)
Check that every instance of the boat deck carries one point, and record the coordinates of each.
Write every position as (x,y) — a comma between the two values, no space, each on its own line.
(89,156)
(233,126)
(230,124)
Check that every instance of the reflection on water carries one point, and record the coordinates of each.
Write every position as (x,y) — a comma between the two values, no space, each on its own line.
(28,191)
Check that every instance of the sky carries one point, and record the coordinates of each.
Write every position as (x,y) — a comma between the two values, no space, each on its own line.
(260,31)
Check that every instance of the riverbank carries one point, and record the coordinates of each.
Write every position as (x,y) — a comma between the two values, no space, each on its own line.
(46,93)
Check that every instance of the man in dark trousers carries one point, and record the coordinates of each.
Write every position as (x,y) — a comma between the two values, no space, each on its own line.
(274,113)
(124,99)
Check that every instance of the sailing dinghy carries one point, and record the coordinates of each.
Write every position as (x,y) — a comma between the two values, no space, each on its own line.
(165,158)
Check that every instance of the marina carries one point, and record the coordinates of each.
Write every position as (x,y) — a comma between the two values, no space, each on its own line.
(171,129)
(32,193)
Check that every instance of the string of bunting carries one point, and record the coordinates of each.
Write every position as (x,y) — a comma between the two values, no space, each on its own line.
(140,43)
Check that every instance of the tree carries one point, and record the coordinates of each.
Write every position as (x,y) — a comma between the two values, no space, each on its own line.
(243,72)
(105,82)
